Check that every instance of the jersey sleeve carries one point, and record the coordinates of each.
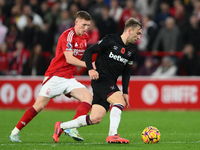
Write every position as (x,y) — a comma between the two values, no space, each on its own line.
(103,44)
(126,74)
(100,46)
(67,42)
(125,78)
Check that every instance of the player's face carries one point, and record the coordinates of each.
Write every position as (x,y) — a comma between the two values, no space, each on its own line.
(81,26)
(134,35)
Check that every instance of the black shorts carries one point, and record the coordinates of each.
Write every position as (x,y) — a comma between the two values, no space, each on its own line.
(102,89)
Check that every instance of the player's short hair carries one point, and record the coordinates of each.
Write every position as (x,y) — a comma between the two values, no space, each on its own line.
(83,15)
(132,22)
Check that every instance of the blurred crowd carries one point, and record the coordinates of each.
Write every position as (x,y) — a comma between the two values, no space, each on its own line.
(169,44)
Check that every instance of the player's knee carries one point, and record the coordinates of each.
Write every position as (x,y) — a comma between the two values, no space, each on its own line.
(96,120)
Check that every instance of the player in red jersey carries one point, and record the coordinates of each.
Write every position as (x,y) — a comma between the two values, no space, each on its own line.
(59,77)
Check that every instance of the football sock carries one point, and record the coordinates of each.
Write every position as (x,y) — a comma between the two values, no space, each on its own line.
(82,109)
(76,123)
(26,118)
(115,117)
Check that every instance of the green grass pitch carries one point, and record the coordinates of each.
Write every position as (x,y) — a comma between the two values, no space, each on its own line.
(180,130)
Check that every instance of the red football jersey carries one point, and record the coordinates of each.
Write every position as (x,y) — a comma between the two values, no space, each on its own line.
(68,41)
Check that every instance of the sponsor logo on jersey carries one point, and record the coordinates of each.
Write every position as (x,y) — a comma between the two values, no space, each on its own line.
(76,44)
(115,47)
(118,58)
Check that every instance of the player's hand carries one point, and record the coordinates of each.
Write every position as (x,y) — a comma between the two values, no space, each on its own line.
(94,75)
(126,99)
(94,66)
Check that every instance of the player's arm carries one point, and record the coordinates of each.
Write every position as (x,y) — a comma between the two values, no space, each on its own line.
(88,60)
(100,46)
(73,60)
(125,82)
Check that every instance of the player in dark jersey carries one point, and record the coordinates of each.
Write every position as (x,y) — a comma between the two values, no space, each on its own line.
(115,57)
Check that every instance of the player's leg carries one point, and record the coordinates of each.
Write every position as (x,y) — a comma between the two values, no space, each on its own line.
(50,88)
(97,113)
(81,93)
(118,103)
(40,103)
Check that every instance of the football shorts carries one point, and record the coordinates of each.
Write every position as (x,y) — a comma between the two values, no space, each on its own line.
(55,86)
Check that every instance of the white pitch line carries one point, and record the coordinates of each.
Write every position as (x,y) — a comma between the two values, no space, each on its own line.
(53,144)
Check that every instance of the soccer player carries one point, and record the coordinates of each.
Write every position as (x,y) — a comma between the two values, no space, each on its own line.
(59,77)
(115,57)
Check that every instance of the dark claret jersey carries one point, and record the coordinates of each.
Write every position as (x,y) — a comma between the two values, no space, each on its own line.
(114,58)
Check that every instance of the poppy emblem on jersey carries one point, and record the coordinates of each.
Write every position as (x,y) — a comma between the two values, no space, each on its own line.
(81,45)
(123,50)
(69,45)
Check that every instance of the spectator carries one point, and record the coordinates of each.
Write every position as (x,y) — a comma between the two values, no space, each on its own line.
(14,17)
(115,10)
(53,16)
(93,33)
(27,11)
(35,6)
(189,63)
(73,8)
(12,36)
(196,10)
(96,8)
(191,34)
(147,68)
(46,37)
(106,24)
(162,14)
(18,58)
(4,59)
(36,64)
(167,37)
(3,32)
(64,23)
(126,14)
(44,9)
(146,7)
(148,34)
(84,5)
(29,34)
(179,13)
(166,69)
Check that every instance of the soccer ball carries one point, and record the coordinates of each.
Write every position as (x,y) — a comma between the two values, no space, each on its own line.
(151,135)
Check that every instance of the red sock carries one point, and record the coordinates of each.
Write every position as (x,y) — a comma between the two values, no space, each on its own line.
(26,118)
(82,109)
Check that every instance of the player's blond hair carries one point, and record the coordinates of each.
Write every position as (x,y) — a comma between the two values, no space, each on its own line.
(83,15)
(132,22)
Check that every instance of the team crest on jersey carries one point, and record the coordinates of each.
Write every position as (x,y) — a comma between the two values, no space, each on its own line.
(69,45)
(112,87)
(115,47)
(129,53)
